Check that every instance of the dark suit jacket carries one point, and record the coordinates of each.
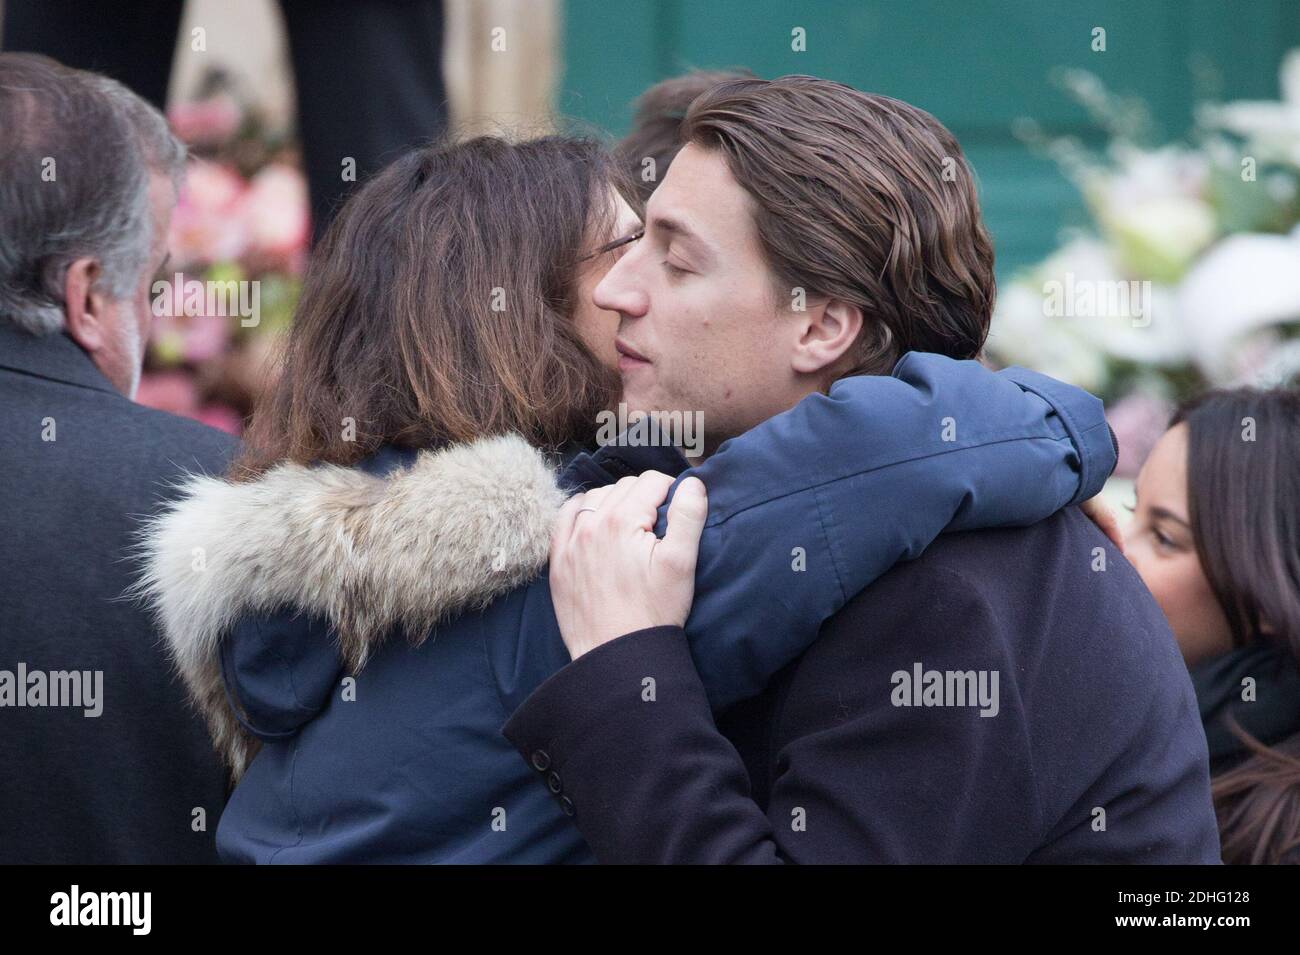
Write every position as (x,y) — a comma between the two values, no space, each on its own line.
(122,786)
(1095,725)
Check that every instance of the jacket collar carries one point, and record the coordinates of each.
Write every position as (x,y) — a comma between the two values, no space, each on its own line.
(397,543)
(612,462)
(54,357)
(1273,711)
(370,554)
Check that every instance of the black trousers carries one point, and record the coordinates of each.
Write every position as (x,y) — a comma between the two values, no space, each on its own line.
(368,72)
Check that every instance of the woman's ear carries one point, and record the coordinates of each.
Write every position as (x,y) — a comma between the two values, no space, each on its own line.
(829,330)
(85,308)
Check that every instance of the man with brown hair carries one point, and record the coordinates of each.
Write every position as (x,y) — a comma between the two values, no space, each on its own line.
(805,232)
(1011,695)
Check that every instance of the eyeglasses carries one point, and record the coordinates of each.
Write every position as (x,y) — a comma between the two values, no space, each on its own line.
(611,246)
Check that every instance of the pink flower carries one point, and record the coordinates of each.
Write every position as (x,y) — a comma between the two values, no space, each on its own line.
(208,122)
(206,336)
(277,213)
(222,417)
(208,225)
(172,391)
(1138,420)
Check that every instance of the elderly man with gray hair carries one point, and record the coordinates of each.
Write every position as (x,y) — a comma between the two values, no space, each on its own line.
(103,762)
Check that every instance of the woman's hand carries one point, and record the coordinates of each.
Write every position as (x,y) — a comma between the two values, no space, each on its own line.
(1104,517)
(609,574)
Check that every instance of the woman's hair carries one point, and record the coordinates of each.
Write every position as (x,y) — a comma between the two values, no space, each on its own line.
(438,308)
(1243,467)
(1258,805)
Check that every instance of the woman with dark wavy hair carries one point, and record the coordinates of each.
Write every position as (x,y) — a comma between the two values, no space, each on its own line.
(1216,537)
(401,482)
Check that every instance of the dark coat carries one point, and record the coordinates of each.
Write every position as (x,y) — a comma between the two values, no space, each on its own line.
(840,761)
(121,786)
(359,635)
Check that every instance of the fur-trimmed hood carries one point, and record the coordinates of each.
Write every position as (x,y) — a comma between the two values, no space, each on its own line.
(369,554)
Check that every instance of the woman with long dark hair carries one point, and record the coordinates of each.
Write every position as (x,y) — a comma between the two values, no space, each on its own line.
(1216,537)
(400,482)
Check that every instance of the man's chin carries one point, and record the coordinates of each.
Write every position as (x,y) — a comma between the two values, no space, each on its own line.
(634,402)
(633,410)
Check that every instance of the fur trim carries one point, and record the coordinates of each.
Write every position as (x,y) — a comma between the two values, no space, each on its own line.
(458,528)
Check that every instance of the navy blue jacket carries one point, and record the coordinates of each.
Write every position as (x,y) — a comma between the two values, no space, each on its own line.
(409,764)
(1087,748)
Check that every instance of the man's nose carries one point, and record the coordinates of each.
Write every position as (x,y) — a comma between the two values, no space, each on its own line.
(620,292)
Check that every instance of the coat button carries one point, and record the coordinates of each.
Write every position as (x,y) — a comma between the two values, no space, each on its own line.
(567,805)
(541,760)
(553,781)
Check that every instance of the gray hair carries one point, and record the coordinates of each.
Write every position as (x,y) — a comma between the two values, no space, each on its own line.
(76,151)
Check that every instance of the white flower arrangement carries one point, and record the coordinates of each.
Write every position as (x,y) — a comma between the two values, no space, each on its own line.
(1190,276)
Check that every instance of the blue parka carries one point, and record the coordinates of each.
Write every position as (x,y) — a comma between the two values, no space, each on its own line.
(368,631)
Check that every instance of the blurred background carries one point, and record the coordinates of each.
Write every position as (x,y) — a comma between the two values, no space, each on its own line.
(1115,142)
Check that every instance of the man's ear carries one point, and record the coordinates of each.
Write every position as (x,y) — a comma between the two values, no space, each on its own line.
(829,330)
(84,307)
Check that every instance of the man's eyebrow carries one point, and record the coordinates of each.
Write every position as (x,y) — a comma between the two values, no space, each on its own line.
(677,228)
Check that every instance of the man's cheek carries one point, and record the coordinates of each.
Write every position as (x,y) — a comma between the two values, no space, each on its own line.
(144,321)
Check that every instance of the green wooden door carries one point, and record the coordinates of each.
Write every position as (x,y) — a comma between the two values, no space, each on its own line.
(978,65)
